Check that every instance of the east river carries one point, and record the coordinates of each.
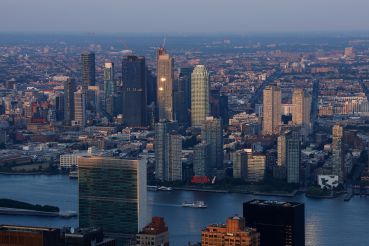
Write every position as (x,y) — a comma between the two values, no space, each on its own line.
(328,221)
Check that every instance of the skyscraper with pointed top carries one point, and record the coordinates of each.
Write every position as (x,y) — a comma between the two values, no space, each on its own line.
(165,77)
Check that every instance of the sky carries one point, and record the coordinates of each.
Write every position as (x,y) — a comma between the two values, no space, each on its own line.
(183,16)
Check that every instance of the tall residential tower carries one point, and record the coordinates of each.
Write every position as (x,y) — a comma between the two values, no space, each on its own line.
(271,110)
(200,89)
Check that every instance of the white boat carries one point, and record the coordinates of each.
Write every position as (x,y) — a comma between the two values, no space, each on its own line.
(73,174)
(164,188)
(152,188)
(196,204)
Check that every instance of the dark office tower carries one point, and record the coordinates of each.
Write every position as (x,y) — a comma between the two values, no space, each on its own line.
(219,105)
(112,196)
(212,134)
(59,107)
(279,223)
(134,91)
(88,69)
(69,89)
(182,96)
(179,108)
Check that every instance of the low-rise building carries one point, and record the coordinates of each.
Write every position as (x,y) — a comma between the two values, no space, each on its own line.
(231,234)
(154,234)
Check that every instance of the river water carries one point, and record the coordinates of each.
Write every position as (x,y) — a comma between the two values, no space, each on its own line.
(328,221)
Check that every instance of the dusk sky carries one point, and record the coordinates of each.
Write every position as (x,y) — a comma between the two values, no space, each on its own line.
(183,16)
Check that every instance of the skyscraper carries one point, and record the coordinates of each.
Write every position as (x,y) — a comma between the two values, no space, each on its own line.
(271,110)
(201,158)
(239,161)
(69,89)
(212,134)
(164,83)
(256,165)
(281,150)
(301,110)
(293,156)
(79,108)
(182,96)
(233,233)
(112,195)
(168,152)
(134,91)
(59,107)
(219,105)
(279,223)
(337,152)
(200,89)
(109,87)
(88,69)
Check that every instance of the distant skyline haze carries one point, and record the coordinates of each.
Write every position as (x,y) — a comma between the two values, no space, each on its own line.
(170,16)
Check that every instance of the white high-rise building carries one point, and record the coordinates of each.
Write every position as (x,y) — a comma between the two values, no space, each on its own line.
(271,110)
(200,88)
(79,108)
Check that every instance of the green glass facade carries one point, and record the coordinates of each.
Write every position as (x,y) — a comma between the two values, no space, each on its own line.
(109,195)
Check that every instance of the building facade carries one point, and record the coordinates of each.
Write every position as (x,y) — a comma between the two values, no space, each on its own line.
(337,152)
(212,134)
(201,159)
(233,233)
(112,196)
(164,83)
(88,69)
(79,108)
(109,87)
(200,90)
(271,110)
(168,152)
(69,89)
(154,234)
(293,156)
(239,161)
(301,110)
(279,223)
(134,91)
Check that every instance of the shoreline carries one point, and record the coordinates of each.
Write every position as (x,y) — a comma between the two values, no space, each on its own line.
(33,173)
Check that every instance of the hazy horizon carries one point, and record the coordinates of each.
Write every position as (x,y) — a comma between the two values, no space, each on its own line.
(191,16)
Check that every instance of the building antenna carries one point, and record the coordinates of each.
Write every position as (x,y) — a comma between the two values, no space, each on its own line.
(164,41)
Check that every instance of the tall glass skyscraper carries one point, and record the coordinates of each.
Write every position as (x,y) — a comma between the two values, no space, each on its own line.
(134,91)
(200,89)
(112,195)
(88,69)
(164,85)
